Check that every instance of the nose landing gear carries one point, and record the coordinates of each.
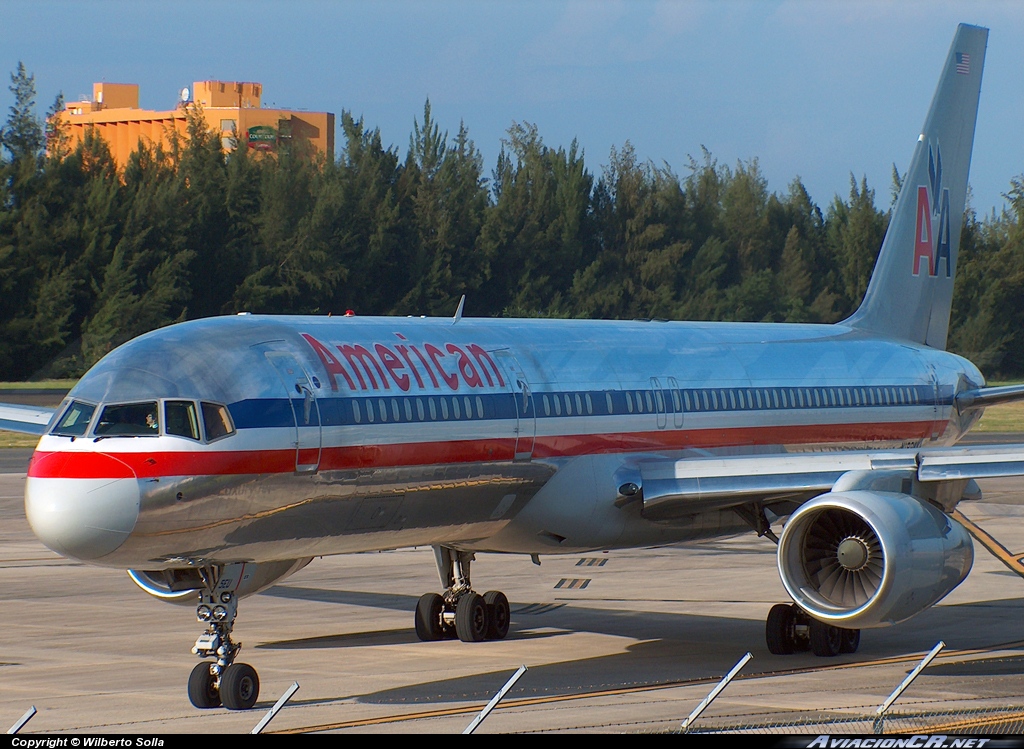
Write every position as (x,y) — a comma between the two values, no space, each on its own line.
(236,686)
(459,611)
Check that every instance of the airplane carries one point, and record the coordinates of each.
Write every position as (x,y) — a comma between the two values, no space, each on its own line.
(215,457)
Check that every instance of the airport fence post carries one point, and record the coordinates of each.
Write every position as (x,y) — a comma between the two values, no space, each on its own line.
(879,722)
(277,706)
(715,692)
(23,720)
(494,701)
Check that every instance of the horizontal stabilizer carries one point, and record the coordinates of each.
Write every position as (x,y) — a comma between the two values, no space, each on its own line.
(969,400)
(24,419)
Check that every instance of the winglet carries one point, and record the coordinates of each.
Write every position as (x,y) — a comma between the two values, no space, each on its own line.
(458,312)
(911,290)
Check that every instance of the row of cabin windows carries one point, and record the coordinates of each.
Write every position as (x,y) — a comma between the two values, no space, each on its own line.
(731,399)
(179,418)
(760,398)
(448,408)
(418,409)
(555,404)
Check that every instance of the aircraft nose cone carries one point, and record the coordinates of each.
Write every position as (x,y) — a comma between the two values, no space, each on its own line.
(82,517)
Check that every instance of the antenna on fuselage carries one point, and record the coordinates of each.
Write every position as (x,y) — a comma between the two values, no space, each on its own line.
(458,312)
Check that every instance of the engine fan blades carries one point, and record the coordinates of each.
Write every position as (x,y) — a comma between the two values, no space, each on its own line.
(842,558)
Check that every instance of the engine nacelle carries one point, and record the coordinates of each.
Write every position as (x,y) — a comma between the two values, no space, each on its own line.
(862,559)
(180,585)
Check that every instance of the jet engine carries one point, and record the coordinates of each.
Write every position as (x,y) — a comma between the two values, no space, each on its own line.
(862,559)
(181,585)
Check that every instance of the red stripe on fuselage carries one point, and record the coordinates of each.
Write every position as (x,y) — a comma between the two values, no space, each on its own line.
(88,464)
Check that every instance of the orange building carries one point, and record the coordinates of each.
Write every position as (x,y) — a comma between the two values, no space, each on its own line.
(230,108)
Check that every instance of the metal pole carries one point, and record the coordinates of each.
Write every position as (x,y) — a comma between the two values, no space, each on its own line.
(494,701)
(23,720)
(277,706)
(715,692)
(880,713)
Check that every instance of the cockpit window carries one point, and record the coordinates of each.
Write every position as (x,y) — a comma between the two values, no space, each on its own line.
(217,421)
(181,419)
(75,420)
(129,420)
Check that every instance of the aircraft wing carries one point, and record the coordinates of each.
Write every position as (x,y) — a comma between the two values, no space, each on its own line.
(672,489)
(25,419)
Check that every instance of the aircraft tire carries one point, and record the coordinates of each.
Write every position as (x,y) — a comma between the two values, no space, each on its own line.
(471,618)
(428,617)
(239,686)
(202,687)
(850,641)
(778,630)
(826,640)
(497,614)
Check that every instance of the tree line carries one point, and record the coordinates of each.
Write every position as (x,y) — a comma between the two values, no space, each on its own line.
(92,255)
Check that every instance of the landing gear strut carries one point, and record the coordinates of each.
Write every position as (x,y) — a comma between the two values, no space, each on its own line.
(789,629)
(459,611)
(222,681)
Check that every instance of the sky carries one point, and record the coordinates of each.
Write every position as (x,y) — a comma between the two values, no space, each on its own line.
(813,89)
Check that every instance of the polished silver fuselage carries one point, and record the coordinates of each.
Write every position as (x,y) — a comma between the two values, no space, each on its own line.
(354,434)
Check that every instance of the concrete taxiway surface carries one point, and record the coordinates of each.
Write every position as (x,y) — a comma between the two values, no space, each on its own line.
(625,641)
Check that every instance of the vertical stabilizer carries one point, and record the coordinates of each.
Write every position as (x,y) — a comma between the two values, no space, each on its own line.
(911,289)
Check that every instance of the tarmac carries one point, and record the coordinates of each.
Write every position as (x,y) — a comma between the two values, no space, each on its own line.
(618,642)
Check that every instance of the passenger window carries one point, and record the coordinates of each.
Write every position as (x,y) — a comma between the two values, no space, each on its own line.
(129,420)
(75,421)
(568,405)
(456,412)
(419,409)
(608,402)
(181,419)
(650,401)
(217,421)
(382,407)
(433,409)
(356,416)
(479,407)
(558,405)
(579,404)
(408,409)
(590,404)
(468,406)
(394,409)
(547,405)
(444,408)
(629,402)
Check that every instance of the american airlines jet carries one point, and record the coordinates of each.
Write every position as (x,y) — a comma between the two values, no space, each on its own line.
(215,457)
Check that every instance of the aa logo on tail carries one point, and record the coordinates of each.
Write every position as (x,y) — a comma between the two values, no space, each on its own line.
(932,240)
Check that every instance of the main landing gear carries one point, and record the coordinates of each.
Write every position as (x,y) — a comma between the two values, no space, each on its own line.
(459,611)
(790,629)
(222,681)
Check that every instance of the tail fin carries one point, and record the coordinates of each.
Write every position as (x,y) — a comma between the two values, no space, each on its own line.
(911,289)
